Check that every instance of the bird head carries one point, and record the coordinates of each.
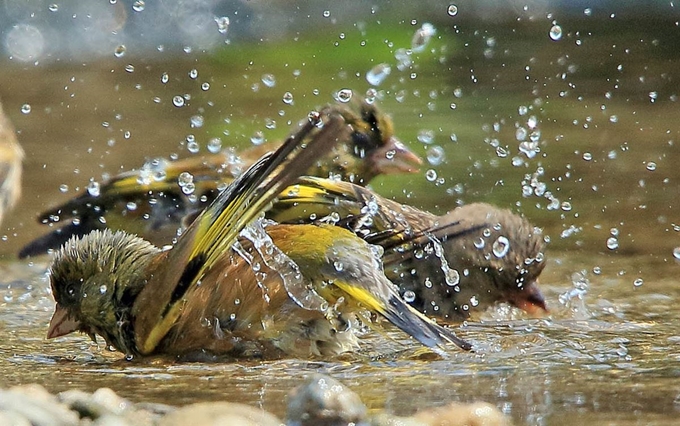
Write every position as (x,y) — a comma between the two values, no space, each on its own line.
(94,281)
(373,148)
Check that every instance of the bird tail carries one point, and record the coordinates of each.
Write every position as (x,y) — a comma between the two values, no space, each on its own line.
(406,318)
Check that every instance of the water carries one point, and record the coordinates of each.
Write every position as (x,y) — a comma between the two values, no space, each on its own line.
(603,157)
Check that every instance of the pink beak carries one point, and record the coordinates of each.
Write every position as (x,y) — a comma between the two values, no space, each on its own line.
(395,157)
(61,323)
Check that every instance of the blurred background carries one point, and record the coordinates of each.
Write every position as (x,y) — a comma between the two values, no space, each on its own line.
(563,111)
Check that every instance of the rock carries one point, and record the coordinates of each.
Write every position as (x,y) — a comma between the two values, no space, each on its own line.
(219,414)
(323,401)
(457,414)
(34,404)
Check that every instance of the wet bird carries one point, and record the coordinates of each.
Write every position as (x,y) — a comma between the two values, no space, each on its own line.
(11,157)
(447,266)
(234,284)
(152,201)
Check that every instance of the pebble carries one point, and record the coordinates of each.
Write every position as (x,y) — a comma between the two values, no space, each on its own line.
(319,401)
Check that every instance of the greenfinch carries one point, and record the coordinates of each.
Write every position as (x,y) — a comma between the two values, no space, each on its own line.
(151,201)
(235,284)
(446,266)
(11,157)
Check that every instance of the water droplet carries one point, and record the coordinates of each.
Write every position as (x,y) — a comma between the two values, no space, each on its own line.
(205,86)
(196,121)
(501,246)
(222,24)
(431,175)
(186,183)
(452,10)
(452,277)
(555,32)
(612,243)
(215,145)
(344,95)
(93,188)
(130,68)
(193,147)
(425,136)
(178,101)
(436,155)
(138,6)
(63,188)
(53,7)
(339,266)
(193,74)
(119,51)
(676,252)
(257,138)
(269,80)
(131,206)
(26,108)
(422,37)
(638,282)
(102,289)
(378,74)
(409,296)
(651,166)
(288,98)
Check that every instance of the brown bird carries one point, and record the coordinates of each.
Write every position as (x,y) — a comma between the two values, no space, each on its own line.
(275,290)
(152,201)
(448,266)
(11,156)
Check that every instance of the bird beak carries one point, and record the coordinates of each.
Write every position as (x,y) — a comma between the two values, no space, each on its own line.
(394,157)
(61,323)
(530,300)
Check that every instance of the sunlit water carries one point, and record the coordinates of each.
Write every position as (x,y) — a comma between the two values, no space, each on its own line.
(577,129)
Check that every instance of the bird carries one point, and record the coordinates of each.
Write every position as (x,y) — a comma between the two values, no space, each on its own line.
(235,284)
(11,157)
(152,201)
(446,266)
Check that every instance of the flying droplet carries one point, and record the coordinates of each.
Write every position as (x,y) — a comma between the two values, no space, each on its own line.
(138,6)
(422,37)
(215,145)
(222,24)
(378,74)
(119,51)
(178,101)
(452,10)
(257,138)
(501,246)
(344,95)
(93,188)
(26,108)
(555,32)
(288,98)
(269,80)
(676,252)
(612,243)
(436,155)
(431,175)
(409,296)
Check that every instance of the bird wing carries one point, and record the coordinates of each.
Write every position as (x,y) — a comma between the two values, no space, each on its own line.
(214,231)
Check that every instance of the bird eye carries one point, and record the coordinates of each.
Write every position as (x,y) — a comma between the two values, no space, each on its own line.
(71,290)
(363,143)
